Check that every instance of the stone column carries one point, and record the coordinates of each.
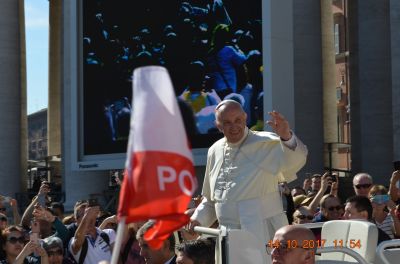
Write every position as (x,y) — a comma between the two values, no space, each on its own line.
(278,59)
(395,56)
(371,88)
(308,83)
(12,97)
(24,116)
(328,77)
(54,105)
(293,79)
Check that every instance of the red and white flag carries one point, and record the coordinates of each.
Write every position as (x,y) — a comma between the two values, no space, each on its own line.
(159,175)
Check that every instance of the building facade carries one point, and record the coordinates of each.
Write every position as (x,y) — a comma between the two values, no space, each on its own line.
(37,135)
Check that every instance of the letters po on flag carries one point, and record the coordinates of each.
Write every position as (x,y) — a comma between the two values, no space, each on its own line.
(159,176)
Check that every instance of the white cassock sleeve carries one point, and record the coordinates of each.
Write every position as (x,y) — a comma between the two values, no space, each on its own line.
(205,213)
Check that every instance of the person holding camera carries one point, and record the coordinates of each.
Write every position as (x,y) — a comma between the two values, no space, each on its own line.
(90,242)
(326,182)
(383,211)
(39,199)
(16,251)
(50,225)
(394,187)
(12,203)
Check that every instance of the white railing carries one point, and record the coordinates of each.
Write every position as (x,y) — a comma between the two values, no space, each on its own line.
(380,250)
(345,250)
(219,234)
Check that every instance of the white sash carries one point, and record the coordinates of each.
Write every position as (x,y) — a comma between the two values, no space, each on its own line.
(253,214)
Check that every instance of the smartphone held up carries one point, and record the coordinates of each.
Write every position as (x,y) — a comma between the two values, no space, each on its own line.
(41,199)
(35,230)
(34,237)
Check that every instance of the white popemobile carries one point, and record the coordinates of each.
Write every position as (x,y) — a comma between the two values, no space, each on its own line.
(342,242)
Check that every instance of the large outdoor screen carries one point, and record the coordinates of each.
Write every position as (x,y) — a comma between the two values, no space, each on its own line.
(212,50)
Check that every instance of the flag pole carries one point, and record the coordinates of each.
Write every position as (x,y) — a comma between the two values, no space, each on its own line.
(118,240)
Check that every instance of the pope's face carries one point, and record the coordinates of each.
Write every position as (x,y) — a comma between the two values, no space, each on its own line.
(231,121)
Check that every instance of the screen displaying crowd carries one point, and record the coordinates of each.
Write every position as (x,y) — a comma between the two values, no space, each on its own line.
(212,50)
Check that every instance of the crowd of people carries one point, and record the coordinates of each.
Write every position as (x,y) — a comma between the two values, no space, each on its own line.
(242,189)
(318,201)
(214,57)
(371,202)
(45,234)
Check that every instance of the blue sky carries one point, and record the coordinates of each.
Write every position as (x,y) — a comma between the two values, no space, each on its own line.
(37,49)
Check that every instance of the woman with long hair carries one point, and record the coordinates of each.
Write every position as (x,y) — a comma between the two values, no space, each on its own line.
(15,251)
(383,211)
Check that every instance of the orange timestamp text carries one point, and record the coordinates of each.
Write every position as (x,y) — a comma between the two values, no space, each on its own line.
(313,244)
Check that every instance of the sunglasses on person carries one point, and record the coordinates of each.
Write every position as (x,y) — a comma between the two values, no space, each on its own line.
(3,218)
(364,186)
(338,207)
(14,240)
(57,252)
(302,217)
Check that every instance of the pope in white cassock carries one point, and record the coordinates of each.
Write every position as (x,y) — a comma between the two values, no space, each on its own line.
(240,187)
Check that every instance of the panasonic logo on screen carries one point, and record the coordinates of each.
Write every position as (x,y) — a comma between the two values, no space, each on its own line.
(88,166)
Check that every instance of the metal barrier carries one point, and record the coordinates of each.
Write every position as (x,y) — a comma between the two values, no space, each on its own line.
(220,235)
(236,246)
(380,250)
(345,250)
